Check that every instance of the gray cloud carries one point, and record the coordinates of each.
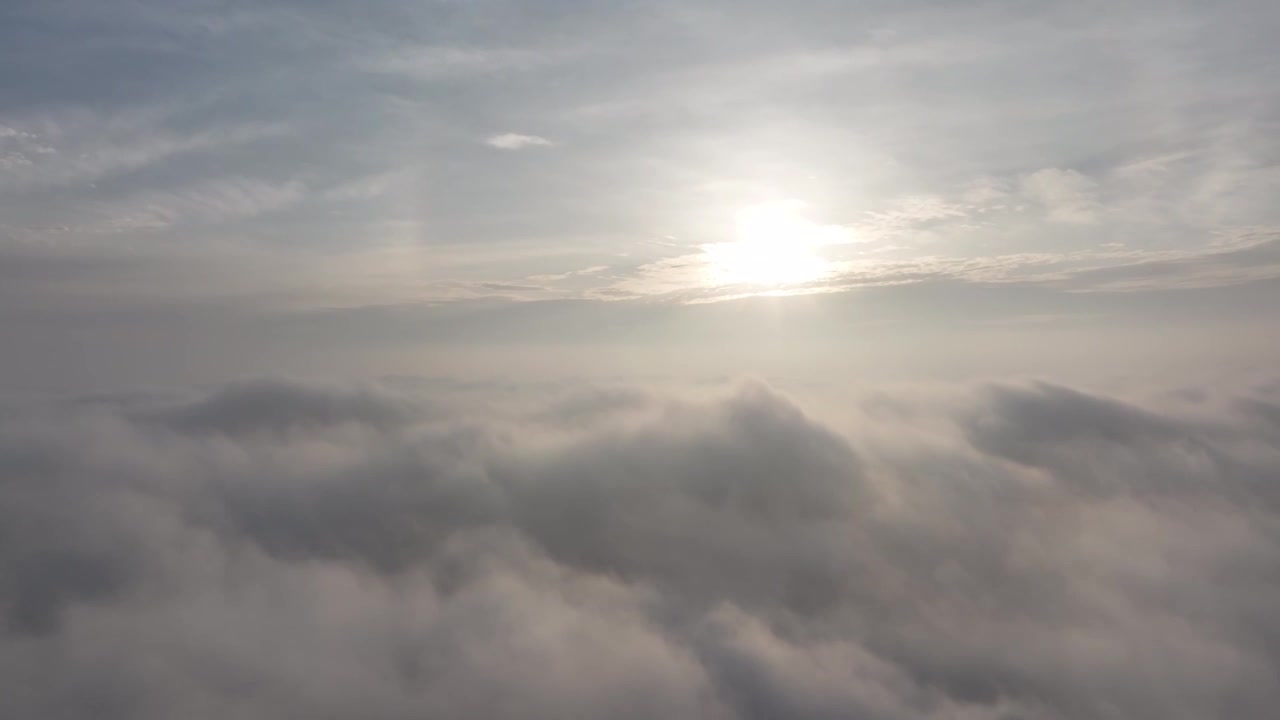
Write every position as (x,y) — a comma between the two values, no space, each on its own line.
(283,407)
(282,550)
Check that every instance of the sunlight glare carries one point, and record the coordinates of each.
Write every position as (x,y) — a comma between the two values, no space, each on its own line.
(774,246)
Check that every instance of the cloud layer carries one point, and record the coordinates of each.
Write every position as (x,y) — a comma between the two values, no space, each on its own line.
(276,550)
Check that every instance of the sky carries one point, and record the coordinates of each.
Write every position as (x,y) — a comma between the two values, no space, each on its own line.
(704,359)
(203,191)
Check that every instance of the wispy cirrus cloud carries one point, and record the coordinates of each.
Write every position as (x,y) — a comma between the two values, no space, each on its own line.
(206,203)
(440,62)
(76,148)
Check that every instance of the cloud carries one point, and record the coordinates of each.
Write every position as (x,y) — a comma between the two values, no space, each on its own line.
(282,407)
(438,62)
(1250,256)
(210,202)
(1066,195)
(78,147)
(281,550)
(1235,260)
(515,141)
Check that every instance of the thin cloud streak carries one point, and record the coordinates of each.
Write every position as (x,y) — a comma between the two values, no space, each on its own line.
(516,141)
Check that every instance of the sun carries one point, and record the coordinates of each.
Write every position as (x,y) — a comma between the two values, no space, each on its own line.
(773,246)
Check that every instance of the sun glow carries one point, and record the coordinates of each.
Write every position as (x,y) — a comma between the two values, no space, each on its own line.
(774,246)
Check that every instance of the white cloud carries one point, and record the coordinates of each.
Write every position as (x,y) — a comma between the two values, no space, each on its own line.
(278,549)
(909,213)
(515,141)
(1066,195)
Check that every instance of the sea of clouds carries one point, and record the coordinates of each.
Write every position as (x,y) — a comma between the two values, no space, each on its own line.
(286,550)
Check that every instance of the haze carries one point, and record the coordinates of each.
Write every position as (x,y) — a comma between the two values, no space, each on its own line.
(703,359)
